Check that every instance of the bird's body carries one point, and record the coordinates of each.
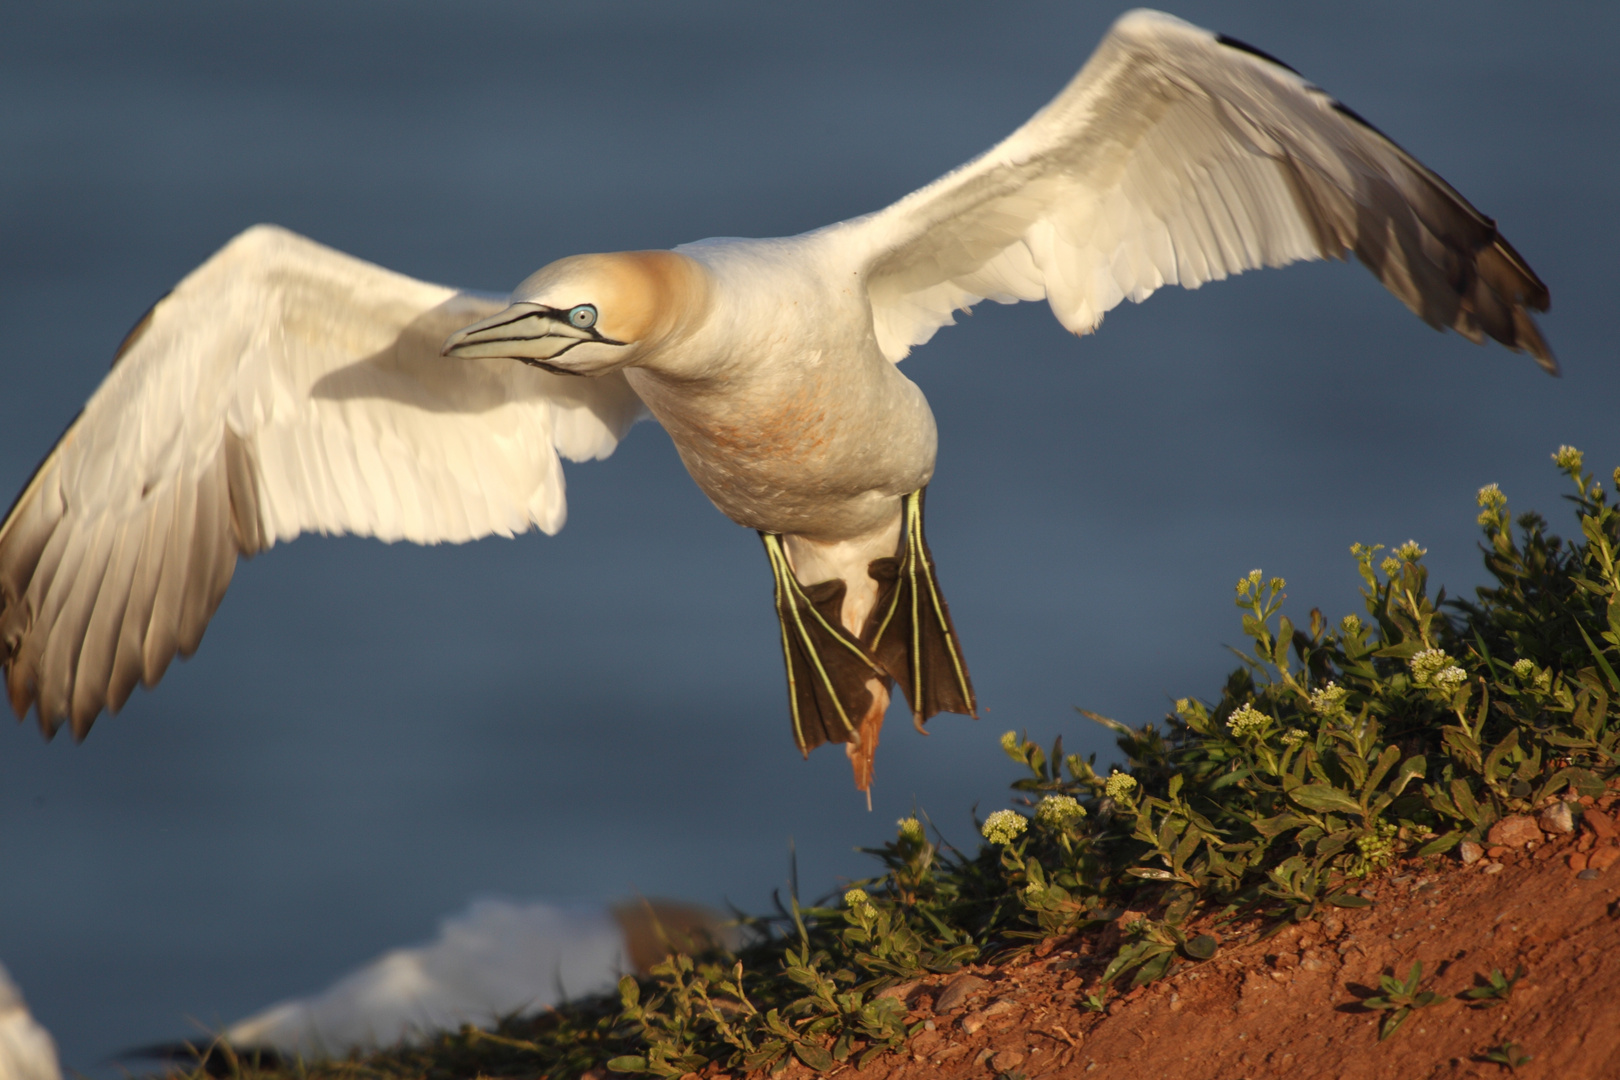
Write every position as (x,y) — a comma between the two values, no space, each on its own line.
(783,408)
(284,387)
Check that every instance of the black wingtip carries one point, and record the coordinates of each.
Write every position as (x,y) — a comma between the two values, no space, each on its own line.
(1244,46)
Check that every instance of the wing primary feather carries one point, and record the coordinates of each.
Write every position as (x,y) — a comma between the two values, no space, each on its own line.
(129,663)
(1244,46)
(162,639)
(66,614)
(242,479)
(99,652)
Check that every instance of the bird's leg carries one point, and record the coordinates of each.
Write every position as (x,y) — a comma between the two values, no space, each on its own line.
(830,676)
(910,633)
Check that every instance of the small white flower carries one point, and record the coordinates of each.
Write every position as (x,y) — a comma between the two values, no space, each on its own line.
(1247,721)
(1410,551)
(1295,736)
(1004,826)
(1568,458)
(1429,663)
(1350,625)
(1491,497)
(910,829)
(1524,669)
(1449,678)
(1328,700)
(1390,566)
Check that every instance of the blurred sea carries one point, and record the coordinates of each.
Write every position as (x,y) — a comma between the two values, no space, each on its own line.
(371,734)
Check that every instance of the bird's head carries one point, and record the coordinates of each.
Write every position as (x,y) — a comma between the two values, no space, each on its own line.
(592,314)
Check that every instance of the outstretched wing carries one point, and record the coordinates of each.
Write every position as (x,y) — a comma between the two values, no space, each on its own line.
(281,388)
(1178,157)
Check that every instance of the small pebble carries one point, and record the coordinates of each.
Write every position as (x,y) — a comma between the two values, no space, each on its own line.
(1470,852)
(1493,868)
(960,989)
(1602,858)
(1557,819)
(1577,862)
(1007,1059)
(1589,875)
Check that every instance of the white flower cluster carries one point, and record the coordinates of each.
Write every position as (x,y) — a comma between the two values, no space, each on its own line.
(1247,721)
(1493,503)
(1328,700)
(1524,669)
(1295,736)
(1056,811)
(1350,625)
(1433,667)
(910,829)
(1568,458)
(1119,785)
(1004,826)
(858,902)
(1410,551)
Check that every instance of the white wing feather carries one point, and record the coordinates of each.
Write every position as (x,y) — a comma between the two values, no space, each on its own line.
(281,388)
(1179,157)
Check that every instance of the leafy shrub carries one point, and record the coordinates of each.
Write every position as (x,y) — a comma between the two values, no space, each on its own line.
(1332,750)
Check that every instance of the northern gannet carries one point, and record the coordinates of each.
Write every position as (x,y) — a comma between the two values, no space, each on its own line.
(497,958)
(284,387)
(27,1051)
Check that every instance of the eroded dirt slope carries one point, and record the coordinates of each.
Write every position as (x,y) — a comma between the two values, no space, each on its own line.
(1288,1005)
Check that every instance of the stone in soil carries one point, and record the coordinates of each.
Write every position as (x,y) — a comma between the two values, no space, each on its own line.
(1557,819)
(1514,831)
(958,991)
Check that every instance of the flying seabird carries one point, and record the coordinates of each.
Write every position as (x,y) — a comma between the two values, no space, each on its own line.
(284,387)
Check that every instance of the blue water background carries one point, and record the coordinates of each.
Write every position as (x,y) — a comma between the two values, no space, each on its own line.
(372,734)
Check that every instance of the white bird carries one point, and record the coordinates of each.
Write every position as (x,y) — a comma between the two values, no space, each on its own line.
(496,959)
(27,1051)
(283,387)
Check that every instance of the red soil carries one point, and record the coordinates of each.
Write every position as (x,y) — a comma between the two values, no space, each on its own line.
(1288,1005)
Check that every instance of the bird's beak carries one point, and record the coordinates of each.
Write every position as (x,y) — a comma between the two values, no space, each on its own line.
(526,332)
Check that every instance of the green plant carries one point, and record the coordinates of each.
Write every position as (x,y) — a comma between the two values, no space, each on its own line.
(1400,998)
(1333,749)
(1494,989)
(1509,1054)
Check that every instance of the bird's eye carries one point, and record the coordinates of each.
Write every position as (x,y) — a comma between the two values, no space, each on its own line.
(583,316)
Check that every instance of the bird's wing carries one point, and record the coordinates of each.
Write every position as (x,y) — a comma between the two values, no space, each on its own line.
(1177,156)
(282,387)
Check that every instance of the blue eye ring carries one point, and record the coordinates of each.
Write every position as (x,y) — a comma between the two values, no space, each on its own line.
(583,316)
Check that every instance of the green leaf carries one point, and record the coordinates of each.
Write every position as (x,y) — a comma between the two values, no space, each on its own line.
(628,1063)
(1324,797)
(1441,844)
(1350,900)
(1598,655)
(814,1056)
(1413,767)
(1201,947)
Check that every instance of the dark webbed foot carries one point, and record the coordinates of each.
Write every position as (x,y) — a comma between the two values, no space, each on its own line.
(910,634)
(838,686)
